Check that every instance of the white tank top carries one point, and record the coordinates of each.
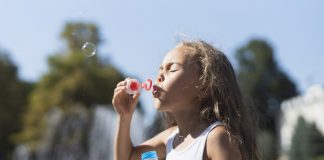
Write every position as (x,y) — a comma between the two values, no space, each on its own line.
(195,151)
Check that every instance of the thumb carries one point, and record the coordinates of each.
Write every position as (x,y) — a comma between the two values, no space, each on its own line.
(136,97)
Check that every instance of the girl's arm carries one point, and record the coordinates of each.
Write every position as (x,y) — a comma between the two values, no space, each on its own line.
(124,105)
(123,146)
(124,149)
(157,143)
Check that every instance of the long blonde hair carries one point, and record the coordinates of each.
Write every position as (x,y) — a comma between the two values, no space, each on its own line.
(220,96)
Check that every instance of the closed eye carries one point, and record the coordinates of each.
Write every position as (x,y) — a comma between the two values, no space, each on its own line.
(174,67)
(171,67)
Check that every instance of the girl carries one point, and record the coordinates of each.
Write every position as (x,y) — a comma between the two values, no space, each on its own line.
(197,89)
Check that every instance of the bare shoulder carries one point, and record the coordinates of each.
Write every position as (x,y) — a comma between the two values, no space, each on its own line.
(220,145)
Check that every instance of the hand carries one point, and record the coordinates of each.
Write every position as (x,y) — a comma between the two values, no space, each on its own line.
(124,103)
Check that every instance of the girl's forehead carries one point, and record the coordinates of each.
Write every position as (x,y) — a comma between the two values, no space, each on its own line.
(177,54)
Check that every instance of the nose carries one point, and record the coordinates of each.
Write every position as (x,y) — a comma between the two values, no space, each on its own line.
(160,78)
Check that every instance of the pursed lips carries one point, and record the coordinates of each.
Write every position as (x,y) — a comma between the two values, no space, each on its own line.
(156,91)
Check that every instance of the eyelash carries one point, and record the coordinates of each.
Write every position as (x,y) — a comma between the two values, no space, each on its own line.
(168,68)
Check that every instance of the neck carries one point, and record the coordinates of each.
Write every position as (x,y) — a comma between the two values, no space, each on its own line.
(190,123)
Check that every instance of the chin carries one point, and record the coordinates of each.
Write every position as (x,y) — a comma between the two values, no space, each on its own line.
(157,103)
(159,107)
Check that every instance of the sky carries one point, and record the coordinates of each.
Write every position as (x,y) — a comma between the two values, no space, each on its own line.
(137,34)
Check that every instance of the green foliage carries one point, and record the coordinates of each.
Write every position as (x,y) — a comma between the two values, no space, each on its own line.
(307,142)
(265,86)
(267,145)
(13,100)
(72,80)
(76,79)
(319,158)
(76,34)
(261,79)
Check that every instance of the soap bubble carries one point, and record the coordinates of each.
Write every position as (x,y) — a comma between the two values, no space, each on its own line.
(89,49)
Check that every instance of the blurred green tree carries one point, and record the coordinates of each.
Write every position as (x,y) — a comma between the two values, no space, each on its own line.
(73,79)
(307,142)
(262,80)
(299,143)
(267,145)
(13,101)
(264,85)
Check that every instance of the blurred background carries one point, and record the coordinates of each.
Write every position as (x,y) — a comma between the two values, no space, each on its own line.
(60,62)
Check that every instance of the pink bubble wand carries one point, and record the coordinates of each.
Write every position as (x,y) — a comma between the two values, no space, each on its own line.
(134,86)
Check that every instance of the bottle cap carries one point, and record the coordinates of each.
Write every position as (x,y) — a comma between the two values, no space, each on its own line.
(132,86)
(148,155)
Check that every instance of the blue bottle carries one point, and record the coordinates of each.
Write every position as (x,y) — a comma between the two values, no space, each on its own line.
(151,155)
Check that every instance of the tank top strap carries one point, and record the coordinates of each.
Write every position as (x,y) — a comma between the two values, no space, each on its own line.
(212,126)
(173,133)
(204,135)
(170,139)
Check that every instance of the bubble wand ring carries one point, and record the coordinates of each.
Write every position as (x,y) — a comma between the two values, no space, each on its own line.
(147,85)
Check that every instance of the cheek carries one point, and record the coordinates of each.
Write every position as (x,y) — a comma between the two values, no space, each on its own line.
(181,88)
(173,89)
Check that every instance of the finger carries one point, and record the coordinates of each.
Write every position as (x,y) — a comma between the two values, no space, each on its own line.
(122,83)
(136,96)
(119,88)
(115,100)
(121,91)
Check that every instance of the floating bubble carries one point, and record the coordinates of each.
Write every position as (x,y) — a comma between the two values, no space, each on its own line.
(89,49)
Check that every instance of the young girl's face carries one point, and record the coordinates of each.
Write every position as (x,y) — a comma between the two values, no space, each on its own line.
(175,86)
